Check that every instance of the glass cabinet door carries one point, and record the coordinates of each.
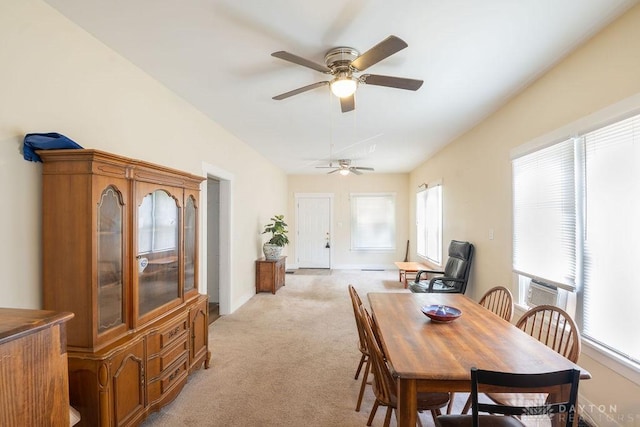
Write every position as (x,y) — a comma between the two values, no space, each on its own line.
(110,257)
(158,249)
(189,245)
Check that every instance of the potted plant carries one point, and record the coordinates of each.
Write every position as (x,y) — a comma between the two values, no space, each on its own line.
(278,228)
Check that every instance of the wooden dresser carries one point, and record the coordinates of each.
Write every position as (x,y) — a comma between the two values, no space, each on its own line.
(120,251)
(270,274)
(34,386)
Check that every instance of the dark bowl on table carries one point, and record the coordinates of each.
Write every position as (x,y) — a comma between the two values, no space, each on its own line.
(441,313)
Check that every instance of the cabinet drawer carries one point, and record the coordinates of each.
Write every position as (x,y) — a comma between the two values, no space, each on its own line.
(166,335)
(156,364)
(174,376)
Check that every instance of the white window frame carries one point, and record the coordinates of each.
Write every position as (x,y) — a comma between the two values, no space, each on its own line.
(611,114)
(428,223)
(383,215)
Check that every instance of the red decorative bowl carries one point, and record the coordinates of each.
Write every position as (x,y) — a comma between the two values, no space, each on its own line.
(441,313)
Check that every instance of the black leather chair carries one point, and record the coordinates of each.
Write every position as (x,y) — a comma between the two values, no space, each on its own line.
(455,275)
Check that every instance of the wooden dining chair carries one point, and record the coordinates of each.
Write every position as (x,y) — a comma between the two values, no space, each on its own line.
(384,383)
(555,328)
(356,302)
(508,413)
(498,300)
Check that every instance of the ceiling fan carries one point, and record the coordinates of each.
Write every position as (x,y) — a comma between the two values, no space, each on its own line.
(344,168)
(343,62)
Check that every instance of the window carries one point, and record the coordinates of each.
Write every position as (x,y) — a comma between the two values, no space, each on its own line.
(429,223)
(611,236)
(157,223)
(544,214)
(575,214)
(373,221)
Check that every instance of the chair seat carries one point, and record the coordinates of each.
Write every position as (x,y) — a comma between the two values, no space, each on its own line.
(432,400)
(485,421)
(518,399)
(423,287)
(426,401)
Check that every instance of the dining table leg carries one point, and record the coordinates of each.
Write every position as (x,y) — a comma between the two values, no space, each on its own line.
(407,411)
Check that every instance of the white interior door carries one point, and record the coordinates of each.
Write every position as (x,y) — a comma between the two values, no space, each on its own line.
(313,219)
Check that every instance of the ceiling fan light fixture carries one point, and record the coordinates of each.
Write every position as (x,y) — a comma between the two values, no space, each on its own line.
(344,86)
(344,172)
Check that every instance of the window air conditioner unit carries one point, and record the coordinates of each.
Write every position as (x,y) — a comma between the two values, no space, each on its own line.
(543,294)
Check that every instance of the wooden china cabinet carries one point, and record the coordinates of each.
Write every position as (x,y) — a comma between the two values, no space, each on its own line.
(120,251)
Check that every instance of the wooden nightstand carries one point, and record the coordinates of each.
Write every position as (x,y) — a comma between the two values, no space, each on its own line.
(270,274)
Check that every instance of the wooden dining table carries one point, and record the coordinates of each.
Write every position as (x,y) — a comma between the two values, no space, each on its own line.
(429,356)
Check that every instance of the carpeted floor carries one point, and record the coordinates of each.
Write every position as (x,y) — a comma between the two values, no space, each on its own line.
(285,360)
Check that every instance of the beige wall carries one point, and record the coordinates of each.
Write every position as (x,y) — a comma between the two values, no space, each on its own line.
(56,77)
(341,187)
(476,173)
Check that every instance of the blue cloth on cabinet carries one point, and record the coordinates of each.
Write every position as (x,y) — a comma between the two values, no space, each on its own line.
(44,141)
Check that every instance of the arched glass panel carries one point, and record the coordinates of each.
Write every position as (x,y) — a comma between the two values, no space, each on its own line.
(110,260)
(189,245)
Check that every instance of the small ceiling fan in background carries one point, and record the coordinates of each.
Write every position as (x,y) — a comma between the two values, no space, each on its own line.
(342,63)
(344,168)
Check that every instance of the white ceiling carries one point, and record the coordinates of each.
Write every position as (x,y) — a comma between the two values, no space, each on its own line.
(472,55)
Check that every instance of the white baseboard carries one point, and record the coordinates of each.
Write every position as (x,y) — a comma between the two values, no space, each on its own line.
(364,267)
(295,266)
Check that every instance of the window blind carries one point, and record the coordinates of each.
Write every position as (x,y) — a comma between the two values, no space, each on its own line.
(544,212)
(373,222)
(611,294)
(429,223)
(421,223)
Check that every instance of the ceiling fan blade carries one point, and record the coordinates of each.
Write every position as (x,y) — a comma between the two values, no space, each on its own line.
(333,171)
(301,61)
(382,50)
(395,82)
(299,90)
(355,171)
(363,168)
(348,104)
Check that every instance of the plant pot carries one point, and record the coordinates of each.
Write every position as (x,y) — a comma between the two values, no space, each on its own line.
(271,252)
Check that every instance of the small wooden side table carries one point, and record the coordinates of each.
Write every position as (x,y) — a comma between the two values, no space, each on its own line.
(410,268)
(270,274)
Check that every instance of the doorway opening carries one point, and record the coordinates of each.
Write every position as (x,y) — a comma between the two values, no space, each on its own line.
(213,248)
(216,250)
